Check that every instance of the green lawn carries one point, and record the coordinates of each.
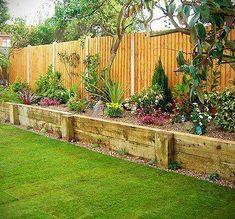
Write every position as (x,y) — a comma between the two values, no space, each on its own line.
(45,178)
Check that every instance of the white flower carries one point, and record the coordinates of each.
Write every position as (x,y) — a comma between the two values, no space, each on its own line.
(200,123)
(201,117)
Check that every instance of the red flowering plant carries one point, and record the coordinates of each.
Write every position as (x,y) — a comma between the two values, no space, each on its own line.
(45,101)
(157,117)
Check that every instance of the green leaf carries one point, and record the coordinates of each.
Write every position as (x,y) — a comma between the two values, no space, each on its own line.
(193,36)
(186,10)
(180,58)
(205,12)
(200,94)
(201,31)
(172,8)
(194,19)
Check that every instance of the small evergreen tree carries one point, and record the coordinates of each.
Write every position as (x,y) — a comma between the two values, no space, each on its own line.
(160,78)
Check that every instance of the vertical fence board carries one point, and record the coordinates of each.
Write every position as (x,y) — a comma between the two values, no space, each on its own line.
(146,54)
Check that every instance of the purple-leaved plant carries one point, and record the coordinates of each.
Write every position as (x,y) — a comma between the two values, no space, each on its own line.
(45,101)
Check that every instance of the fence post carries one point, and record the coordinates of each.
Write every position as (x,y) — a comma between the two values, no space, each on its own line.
(67,129)
(14,114)
(54,55)
(28,64)
(164,149)
(87,49)
(132,64)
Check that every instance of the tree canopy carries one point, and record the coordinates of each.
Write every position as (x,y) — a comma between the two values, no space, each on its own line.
(4,14)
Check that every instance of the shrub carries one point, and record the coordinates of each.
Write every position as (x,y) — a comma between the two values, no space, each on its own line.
(127,104)
(181,99)
(149,100)
(19,86)
(214,176)
(114,110)
(45,101)
(26,96)
(77,104)
(225,116)
(200,116)
(156,118)
(211,101)
(71,92)
(122,151)
(7,95)
(91,81)
(173,165)
(50,85)
(160,78)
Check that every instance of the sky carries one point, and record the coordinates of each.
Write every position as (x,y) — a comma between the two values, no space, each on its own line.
(36,11)
(33,11)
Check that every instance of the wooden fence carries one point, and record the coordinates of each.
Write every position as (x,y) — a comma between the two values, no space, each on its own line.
(133,65)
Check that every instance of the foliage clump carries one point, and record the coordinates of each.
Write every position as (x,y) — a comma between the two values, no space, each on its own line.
(225,116)
(77,104)
(50,85)
(174,165)
(113,110)
(160,78)
(148,100)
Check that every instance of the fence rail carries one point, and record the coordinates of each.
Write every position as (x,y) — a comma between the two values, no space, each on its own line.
(133,65)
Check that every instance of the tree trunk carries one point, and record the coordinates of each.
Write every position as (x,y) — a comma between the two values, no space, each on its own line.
(116,43)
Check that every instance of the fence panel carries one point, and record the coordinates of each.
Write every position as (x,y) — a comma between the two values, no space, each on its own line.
(40,58)
(18,65)
(135,60)
(71,74)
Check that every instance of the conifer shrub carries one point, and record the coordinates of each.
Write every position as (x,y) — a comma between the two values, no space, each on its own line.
(160,78)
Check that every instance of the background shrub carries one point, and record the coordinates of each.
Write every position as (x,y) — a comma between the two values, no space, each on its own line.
(19,86)
(160,78)
(77,104)
(148,100)
(50,85)
(114,110)
(8,95)
(225,116)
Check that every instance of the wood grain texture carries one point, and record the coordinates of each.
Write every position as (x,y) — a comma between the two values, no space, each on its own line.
(146,54)
(198,153)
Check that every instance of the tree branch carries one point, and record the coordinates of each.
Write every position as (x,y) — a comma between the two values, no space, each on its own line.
(166,32)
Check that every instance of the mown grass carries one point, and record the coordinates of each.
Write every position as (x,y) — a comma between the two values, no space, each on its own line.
(46,178)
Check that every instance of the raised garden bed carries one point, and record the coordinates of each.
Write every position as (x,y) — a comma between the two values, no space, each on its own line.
(127,117)
(199,153)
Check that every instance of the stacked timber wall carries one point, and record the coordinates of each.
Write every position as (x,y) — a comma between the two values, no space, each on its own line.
(4,112)
(199,153)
